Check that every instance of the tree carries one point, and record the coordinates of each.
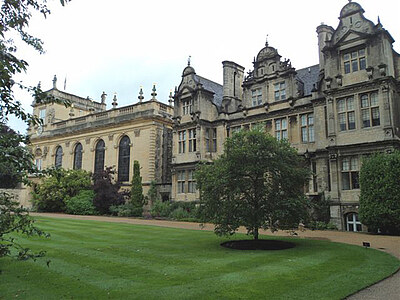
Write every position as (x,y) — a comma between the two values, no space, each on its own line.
(380,197)
(137,197)
(15,159)
(257,183)
(15,16)
(106,190)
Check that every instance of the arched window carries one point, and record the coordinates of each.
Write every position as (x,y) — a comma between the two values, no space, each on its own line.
(123,159)
(78,157)
(352,222)
(58,159)
(99,156)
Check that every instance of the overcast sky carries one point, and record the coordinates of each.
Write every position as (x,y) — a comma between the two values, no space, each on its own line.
(117,46)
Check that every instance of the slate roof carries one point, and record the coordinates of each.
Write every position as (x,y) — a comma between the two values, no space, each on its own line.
(211,86)
(308,76)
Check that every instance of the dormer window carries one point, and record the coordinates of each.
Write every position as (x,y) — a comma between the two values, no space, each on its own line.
(354,61)
(186,107)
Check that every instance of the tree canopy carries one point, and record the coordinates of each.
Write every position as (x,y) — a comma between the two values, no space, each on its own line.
(257,182)
(380,197)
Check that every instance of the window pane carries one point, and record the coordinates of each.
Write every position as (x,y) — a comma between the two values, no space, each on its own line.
(345,164)
(361,52)
(354,54)
(124,158)
(311,133)
(284,134)
(304,136)
(284,124)
(354,65)
(354,180)
(345,181)
(354,164)
(278,135)
(365,118)
(363,63)
(364,101)
(310,119)
(342,122)
(346,56)
(303,120)
(374,99)
(277,124)
(375,117)
(347,67)
(352,120)
(350,103)
(341,105)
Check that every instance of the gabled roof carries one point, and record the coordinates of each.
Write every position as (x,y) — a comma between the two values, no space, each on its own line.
(211,86)
(309,76)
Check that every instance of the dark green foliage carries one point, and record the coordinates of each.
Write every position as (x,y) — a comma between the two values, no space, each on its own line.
(181,211)
(15,17)
(81,204)
(137,198)
(54,191)
(380,193)
(257,183)
(319,216)
(15,218)
(152,194)
(15,159)
(107,191)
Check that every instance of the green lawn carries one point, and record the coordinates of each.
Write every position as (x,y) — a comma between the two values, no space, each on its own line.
(99,260)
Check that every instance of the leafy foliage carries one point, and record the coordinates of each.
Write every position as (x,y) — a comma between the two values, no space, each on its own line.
(380,197)
(181,211)
(257,183)
(15,17)
(106,190)
(137,197)
(15,218)
(15,159)
(81,204)
(57,189)
(152,194)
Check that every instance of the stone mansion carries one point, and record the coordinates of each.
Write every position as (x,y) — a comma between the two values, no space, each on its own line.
(334,113)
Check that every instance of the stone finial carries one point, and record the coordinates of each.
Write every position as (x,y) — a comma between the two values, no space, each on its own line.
(55,82)
(103,98)
(39,85)
(266,41)
(71,111)
(189,60)
(171,98)
(154,94)
(141,95)
(115,103)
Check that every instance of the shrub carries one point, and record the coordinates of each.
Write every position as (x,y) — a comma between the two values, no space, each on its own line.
(107,191)
(179,213)
(160,209)
(137,198)
(54,191)
(81,204)
(380,197)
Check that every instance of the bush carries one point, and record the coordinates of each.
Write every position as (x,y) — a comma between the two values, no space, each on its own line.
(179,213)
(54,191)
(319,225)
(81,204)
(380,197)
(126,210)
(160,209)
(107,191)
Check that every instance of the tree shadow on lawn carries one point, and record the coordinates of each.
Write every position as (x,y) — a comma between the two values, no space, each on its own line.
(258,245)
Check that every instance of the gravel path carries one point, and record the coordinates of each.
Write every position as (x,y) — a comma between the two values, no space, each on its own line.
(388,289)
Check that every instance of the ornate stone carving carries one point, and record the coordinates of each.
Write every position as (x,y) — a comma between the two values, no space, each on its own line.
(136,132)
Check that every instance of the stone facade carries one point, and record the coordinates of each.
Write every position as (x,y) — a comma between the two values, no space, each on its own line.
(334,113)
(86,135)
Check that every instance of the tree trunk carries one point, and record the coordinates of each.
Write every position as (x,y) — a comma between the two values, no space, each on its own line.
(255,234)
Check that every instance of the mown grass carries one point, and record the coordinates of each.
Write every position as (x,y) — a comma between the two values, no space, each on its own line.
(100,260)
